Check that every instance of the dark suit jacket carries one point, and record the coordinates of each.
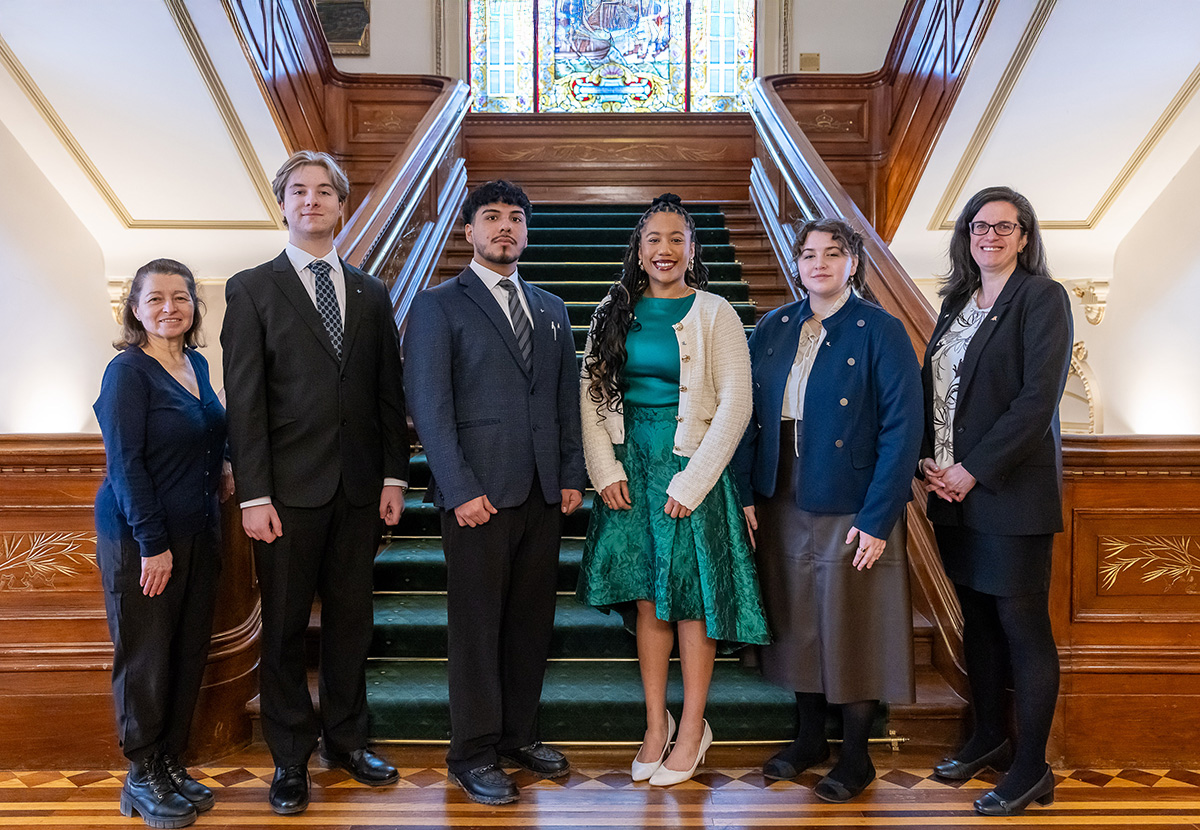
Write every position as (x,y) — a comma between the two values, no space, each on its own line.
(1006,430)
(862,414)
(300,420)
(486,423)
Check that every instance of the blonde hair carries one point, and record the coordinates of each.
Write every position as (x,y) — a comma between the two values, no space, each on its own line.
(302,158)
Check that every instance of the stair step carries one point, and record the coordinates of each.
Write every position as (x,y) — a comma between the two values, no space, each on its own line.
(414,626)
(627,219)
(610,236)
(418,564)
(581,313)
(571,255)
(593,291)
(581,701)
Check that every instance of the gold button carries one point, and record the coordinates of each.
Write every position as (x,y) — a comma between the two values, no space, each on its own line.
(682,388)
(686,358)
(850,361)
(679,418)
(679,327)
(843,401)
(676,449)
(838,443)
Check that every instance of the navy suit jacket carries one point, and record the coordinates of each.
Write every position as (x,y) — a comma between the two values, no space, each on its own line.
(487,423)
(862,414)
(301,422)
(1006,430)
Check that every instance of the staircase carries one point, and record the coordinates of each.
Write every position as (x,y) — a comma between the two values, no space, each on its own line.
(593,690)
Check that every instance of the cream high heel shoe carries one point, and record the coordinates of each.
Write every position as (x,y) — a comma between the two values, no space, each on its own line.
(665,777)
(640,771)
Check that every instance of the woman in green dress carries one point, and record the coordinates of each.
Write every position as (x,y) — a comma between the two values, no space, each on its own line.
(666,397)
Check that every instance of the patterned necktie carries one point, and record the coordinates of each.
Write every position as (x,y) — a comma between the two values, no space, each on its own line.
(327,304)
(520,322)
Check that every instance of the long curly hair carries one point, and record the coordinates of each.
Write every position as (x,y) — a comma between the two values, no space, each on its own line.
(604,363)
(964,278)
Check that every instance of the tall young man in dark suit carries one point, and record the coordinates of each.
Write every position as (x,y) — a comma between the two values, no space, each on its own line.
(493,385)
(320,453)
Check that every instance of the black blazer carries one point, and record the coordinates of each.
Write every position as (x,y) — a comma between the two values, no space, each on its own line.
(300,420)
(486,422)
(1006,430)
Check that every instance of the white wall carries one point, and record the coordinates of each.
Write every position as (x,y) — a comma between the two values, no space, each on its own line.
(403,40)
(850,35)
(1147,349)
(57,332)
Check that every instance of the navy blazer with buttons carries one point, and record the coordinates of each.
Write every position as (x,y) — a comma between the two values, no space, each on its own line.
(862,414)
(487,423)
(1006,430)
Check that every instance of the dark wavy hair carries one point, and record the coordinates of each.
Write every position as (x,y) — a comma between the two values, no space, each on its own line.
(964,278)
(133,333)
(604,364)
(500,190)
(848,239)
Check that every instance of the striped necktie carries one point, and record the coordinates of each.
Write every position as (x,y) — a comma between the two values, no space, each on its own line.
(327,304)
(520,322)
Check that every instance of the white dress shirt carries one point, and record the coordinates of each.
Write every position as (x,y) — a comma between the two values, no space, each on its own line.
(492,280)
(300,261)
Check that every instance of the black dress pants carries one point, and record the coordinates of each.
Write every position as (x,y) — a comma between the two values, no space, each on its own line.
(160,644)
(326,551)
(501,580)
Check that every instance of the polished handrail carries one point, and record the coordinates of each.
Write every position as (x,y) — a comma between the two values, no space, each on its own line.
(391,212)
(803,187)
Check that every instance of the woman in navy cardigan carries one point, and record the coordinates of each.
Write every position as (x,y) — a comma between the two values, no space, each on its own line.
(992,459)
(826,469)
(157,534)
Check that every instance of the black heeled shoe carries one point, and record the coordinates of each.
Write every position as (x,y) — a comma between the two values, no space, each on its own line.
(999,758)
(1042,792)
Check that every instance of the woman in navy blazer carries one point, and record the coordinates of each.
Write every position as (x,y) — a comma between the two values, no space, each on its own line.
(157,534)
(993,377)
(826,469)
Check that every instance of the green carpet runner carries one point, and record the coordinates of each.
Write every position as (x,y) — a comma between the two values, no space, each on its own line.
(593,690)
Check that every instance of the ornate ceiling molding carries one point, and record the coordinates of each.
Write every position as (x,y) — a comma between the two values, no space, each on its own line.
(223,104)
(943,216)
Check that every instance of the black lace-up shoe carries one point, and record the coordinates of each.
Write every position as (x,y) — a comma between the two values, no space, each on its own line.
(201,796)
(364,766)
(487,785)
(289,790)
(149,793)
(539,758)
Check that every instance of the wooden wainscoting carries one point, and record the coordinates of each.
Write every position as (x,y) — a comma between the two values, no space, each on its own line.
(1126,602)
(876,131)
(55,654)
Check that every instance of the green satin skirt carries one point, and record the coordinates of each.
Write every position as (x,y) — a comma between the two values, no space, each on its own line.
(696,568)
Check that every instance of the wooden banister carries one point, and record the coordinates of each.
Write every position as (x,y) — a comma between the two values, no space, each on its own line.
(790,180)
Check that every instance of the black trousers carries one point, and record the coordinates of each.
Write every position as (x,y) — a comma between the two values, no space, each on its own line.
(160,644)
(325,551)
(501,579)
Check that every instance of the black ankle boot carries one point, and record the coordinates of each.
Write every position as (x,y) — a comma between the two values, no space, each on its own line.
(191,789)
(149,792)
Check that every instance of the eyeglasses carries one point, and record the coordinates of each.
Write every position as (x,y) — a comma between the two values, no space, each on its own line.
(1002,228)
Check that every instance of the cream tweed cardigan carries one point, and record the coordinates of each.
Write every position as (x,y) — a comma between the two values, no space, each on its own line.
(714,404)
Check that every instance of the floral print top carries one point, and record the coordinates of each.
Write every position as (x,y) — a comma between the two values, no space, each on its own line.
(947,360)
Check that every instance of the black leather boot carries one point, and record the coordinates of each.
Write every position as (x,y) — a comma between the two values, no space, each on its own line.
(149,792)
(201,796)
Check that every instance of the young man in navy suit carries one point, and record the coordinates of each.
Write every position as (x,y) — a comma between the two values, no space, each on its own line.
(493,387)
(319,440)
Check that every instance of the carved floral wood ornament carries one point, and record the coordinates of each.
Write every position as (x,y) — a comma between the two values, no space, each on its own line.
(32,561)
(1173,561)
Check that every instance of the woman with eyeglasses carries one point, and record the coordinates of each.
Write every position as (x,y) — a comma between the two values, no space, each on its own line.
(993,375)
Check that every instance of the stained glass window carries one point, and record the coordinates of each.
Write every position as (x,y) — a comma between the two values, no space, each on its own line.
(611,55)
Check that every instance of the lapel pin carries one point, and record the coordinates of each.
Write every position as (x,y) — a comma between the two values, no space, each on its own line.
(995,318)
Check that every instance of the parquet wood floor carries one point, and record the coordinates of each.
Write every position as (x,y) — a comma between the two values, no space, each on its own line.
(730,793)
